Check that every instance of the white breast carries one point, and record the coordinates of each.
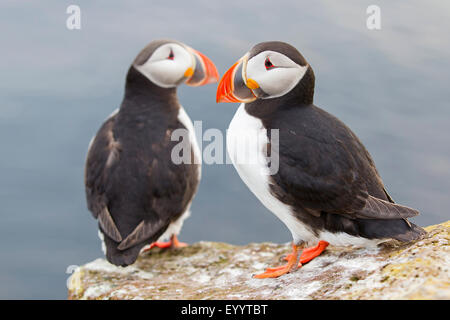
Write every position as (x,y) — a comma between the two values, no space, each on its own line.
(246,139)
(186,121)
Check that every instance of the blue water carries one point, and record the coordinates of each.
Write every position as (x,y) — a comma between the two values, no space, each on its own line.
(57,86)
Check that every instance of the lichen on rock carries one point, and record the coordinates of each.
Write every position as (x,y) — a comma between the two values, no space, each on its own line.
(211,270)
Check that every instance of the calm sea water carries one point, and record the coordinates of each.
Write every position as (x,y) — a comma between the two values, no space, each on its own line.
(57,86)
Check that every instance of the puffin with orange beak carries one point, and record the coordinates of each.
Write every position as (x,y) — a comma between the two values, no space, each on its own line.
(134,188)
(325,187)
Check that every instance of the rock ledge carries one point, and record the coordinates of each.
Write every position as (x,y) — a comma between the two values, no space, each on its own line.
(210,270)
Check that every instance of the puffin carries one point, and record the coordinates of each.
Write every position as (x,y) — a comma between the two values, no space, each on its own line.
(137,190)
(302,163)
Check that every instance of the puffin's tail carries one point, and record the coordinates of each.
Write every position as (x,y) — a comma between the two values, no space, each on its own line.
(118,257)
(123,252)
(415,232)
(400,229)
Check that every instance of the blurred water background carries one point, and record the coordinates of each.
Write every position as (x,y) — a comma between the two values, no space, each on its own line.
(57,86)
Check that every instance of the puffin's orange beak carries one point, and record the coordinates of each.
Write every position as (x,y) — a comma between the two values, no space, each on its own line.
(232,87)
(205,71)
(225,88)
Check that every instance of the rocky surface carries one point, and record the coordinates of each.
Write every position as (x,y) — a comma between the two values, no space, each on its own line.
(208,270)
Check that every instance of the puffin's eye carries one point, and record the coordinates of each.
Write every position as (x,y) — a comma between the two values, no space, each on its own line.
(268,64)
(171,55)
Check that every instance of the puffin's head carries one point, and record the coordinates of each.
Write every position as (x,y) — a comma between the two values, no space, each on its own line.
(168,63)
(268,70)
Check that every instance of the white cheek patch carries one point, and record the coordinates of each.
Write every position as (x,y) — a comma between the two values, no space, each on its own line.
(165,72)
(277,81)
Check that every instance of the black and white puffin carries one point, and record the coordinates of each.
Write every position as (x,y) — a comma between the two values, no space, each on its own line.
(133,188)
(325,186)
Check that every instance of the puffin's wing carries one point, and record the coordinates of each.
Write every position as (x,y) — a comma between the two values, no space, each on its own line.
(142,232)
(330,175)
(108,225)
(317,175)
(163,189)
(169,187)
(375,208)
(100,154)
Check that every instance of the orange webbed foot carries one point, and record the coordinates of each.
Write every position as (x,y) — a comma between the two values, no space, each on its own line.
(173,244)
(310,253)
(294,261)
(279,271)
(176,243)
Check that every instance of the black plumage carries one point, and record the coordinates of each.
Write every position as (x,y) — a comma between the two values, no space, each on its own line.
(132,186)
(325,174)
